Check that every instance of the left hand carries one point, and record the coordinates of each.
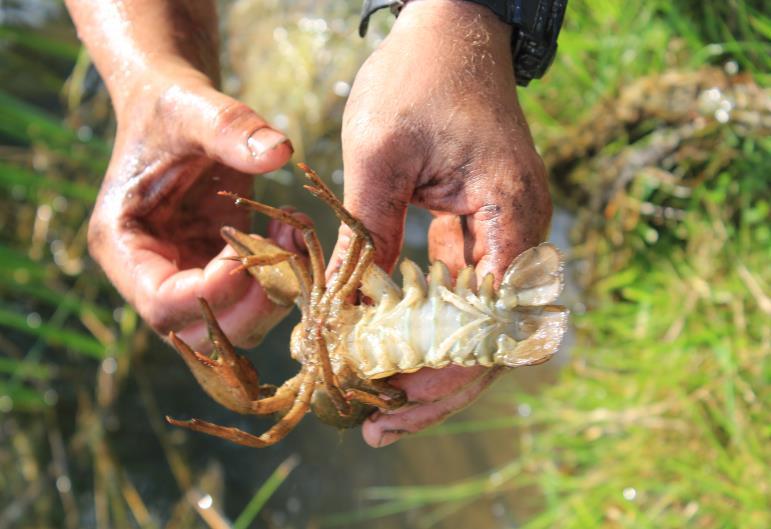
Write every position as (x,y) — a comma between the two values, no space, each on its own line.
(433,120)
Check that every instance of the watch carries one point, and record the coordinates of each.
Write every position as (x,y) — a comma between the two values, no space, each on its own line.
(536,26)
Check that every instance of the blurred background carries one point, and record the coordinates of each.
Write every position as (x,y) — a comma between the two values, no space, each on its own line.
(654,123)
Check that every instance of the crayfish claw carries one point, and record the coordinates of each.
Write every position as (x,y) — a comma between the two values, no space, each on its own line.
(228,433)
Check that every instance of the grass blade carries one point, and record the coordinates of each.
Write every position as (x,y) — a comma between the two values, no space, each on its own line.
(14,175)
(52,335)
(264,493)
(26,369)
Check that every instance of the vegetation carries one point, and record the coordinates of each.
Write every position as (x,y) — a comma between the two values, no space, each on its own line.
(661,417)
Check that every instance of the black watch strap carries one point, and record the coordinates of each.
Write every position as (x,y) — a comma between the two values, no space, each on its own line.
(371,6)
(536,25)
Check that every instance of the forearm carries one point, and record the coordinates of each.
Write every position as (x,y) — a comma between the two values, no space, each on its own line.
(127,39)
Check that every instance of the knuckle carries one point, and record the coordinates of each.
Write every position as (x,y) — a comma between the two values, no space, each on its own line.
(519,197)
(233,115)
(377,136)
(158,318)
(168,101)
(362,139)
(540,186)
(95,236)
(534,193)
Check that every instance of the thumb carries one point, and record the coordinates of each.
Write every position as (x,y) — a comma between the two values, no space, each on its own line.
(379,200)
(232,133)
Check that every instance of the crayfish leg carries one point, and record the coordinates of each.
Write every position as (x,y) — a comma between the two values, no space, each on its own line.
(392,392)
(319,346)
(371,392)
(277,432)
(361,249)
(228,433)
(218,382)
(317,288)
(374,400)
(320,190)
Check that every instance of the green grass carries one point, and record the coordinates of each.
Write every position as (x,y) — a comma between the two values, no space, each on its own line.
(668,390)
(263,494)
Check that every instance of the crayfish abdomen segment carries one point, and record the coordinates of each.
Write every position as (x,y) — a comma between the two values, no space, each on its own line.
(432,324)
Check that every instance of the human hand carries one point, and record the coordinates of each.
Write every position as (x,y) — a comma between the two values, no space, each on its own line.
(433,120)
(155,229)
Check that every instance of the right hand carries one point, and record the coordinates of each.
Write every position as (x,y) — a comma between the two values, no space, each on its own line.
(155,227)
(433,120)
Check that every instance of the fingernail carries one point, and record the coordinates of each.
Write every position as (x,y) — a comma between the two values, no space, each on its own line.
(264,140)
(388,437)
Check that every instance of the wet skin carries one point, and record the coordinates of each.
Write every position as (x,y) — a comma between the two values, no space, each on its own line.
(432,120)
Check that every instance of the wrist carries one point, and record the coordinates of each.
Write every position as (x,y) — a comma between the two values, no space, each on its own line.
(457,25)
(133,42)
(457,39)
(453,16)
(533,32)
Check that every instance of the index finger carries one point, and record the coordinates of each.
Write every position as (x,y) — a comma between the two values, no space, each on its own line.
(498,223)
(377,196)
